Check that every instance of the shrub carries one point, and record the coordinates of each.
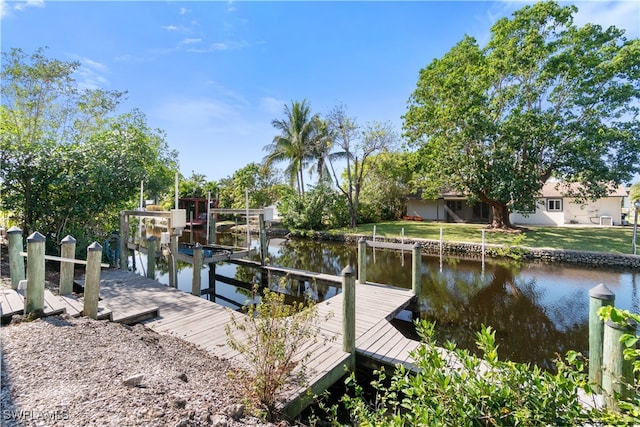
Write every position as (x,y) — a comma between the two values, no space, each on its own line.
(454,388)
(270,338)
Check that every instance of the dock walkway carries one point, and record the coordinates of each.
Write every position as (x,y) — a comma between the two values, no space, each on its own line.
(203,322)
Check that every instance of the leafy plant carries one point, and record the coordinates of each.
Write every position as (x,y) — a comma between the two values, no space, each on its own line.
(272,338)
(515,249)
(452,387)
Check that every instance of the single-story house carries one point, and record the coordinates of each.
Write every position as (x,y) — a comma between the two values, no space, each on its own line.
(552,208)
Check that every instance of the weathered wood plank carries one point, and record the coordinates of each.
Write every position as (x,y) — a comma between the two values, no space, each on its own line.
(14,302)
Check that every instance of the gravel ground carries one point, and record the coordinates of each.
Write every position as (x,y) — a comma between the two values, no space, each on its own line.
(60,371)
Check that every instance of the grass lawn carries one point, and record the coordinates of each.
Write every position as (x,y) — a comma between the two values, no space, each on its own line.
(616,240)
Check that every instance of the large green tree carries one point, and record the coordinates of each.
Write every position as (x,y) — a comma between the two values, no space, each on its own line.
(68,162)
(261,183)
(543,98)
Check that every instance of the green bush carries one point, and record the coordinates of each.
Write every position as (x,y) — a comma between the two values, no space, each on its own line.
(271,338)
(320,208)
(451,387)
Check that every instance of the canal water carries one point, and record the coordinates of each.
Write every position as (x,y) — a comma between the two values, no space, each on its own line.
(538,310)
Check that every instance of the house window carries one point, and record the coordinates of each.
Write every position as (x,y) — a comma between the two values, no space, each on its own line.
(554,205)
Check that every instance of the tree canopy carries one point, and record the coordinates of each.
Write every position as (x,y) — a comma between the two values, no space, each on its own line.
(67,160)
(544,98)
(302,139)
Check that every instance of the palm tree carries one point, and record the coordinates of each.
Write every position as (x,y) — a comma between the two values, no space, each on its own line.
(298,135)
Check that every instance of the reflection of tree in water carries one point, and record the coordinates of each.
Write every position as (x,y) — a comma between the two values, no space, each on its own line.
(524,329)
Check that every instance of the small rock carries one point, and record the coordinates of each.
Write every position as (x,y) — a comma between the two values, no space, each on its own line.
(182,423)
(133,381)
(219,421)
(156,413)
(183,377)
(235,412)
(17,318)
(179,403)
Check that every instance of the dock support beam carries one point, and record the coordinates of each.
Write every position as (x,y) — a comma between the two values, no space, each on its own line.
(173,261)
(599,296)
(211,238)
(124,240)
(152,246)
(68,251)
(348,311)
(196,282)
(416,273)
(16,261)
(263,240)
(362,260)
(92,281)
(35,273)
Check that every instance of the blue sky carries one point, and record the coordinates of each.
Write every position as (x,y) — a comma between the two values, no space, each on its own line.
(213,74)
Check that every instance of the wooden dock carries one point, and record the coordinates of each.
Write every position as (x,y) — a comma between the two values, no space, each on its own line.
(203,322)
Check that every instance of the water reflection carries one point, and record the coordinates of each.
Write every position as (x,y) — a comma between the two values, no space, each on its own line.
(538,310)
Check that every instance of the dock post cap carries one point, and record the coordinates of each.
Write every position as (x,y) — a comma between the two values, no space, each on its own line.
(95,246)
(601,291)
(36,237)
(628,327)
(197,246)
(362,239)
(348,271)
(68,239)
(417,245)
(14,230)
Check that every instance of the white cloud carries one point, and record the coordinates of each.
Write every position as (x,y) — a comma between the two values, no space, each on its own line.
(190,41)
(29,3)
(622,14)
(183,11)
(272,105)
(90,75)
(170,27)
(221,46)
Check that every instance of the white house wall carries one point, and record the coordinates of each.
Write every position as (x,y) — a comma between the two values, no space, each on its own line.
(574,213)
(429,210)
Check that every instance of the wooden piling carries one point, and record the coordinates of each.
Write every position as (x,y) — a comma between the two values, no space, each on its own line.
(362,260)
(263,239)
(92,281)
(16,261)
(152,247)
(348,310)
(35,273)
(68,251)
(196,282)
(211,238)
(124,239)
(416,272)
(173,261)
(617,373)
(599,296)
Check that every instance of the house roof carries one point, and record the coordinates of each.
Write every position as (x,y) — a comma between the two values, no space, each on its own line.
(561,189)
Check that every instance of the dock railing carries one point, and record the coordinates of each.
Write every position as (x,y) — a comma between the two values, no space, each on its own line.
(35,271)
